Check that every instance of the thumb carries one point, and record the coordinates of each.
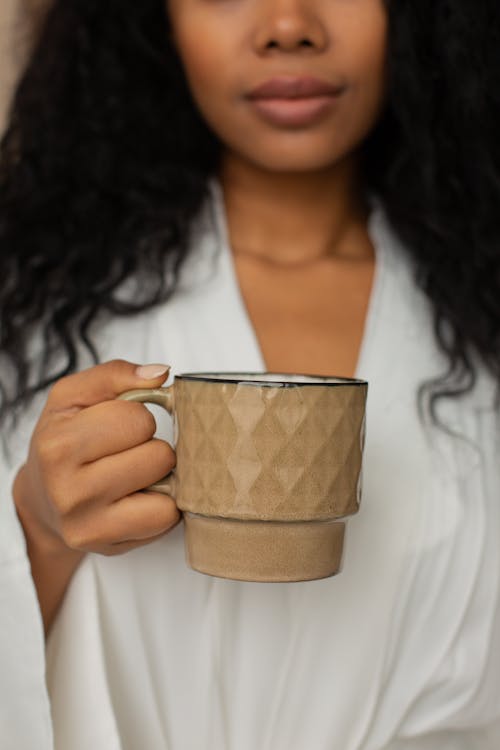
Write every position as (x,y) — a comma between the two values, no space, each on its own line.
(103,383)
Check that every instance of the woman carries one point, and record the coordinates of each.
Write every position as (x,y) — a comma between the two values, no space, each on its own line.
(262,185)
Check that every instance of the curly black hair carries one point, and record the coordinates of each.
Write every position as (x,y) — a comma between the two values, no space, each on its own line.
(94,191)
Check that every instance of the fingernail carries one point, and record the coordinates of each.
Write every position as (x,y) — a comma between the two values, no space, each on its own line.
(150,372)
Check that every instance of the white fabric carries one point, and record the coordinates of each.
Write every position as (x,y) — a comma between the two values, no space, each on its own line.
(401,651)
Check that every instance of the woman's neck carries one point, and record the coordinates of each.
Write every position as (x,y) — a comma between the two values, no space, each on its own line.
(293,218)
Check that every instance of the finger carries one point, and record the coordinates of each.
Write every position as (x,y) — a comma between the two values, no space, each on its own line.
(121,474)
(122,547)
(140,517)
(128,523)
(107,428)
(103,383)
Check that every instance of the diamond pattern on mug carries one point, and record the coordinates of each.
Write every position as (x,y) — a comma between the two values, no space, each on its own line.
(267,452)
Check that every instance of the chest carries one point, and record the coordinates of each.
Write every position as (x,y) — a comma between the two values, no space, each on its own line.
(312,321)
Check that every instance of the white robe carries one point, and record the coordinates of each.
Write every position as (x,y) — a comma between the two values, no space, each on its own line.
(401,651)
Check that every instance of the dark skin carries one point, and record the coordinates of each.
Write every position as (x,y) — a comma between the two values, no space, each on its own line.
(303,257)
(309,313)
(292,193)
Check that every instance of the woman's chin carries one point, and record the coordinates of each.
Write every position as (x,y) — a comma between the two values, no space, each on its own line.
(293,162)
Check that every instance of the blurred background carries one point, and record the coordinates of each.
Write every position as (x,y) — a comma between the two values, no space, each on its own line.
(17,22)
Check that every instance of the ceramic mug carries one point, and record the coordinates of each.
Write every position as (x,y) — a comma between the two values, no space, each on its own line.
(268,470)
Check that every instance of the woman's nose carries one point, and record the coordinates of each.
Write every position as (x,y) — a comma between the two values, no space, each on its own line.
(289,26)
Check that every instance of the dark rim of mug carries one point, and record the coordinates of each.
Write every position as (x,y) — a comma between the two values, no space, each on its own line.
(240,378)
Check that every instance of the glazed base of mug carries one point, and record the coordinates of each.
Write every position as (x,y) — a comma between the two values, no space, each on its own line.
(265,551)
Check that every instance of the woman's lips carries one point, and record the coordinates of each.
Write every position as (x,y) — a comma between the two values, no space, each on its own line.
(294,102)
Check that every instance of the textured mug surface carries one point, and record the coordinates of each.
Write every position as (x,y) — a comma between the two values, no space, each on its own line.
(268,469)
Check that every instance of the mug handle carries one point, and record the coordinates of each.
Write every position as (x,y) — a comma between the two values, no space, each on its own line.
(161,397)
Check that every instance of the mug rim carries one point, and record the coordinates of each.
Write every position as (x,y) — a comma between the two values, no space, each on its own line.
(241,378)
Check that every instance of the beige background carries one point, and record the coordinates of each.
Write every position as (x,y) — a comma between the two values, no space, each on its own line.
(15,16)
(9,28)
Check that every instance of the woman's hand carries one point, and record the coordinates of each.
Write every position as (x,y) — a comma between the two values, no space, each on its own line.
(90,458)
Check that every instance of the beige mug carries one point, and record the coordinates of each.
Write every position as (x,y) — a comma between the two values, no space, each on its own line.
(268,469)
